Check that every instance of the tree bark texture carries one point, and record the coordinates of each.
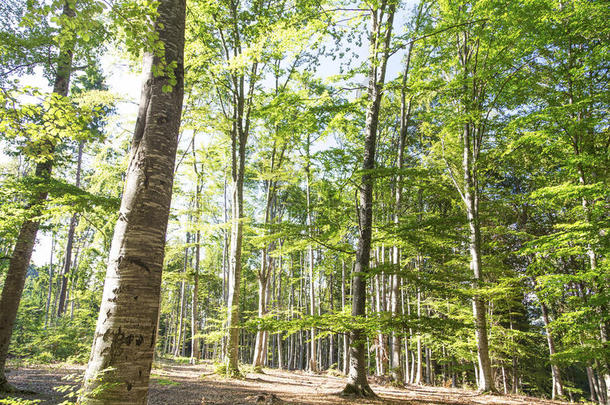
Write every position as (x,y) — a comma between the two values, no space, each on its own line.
(194,301)
(123,346)
(555,373)
(61,306)
(239,140)
(313,364)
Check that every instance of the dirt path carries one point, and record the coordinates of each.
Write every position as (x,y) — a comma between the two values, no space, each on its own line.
(197,385)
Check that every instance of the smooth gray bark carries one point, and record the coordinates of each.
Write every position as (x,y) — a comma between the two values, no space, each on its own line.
(181,311)
(65,274)
(313,364)
(239,139)
(194,300)
(471,139)
(123,346)
(50,290)
(345,335)
(555,373)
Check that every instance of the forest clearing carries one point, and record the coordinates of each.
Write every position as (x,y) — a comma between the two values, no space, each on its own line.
(185,384)
(397,199)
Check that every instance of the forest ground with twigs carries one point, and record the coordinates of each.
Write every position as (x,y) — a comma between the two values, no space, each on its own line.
(184,384)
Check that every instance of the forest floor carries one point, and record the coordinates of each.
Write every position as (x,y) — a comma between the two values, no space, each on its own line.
(179,384)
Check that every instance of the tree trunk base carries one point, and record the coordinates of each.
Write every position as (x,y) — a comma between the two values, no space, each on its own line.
(358,390)
(6,387)
(234,373)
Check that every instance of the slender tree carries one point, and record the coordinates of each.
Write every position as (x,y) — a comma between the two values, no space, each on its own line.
(382,18)
(61,306)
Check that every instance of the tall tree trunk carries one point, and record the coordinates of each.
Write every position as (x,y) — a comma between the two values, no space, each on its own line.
(346,350)
(124,340)
(405,115)
(194,300)
(379,345)
(513,362)
(65,274)
(263,275)
(24,245)
(331,343)
(407,373)
(485,381)
(555,373)
(259,346)
(234,281)
(195,303)
(381,33)
(471,145)
(419,372)
(50,290)
(280,359)
(180,337)
(242,100)
(313,365)
(291,343)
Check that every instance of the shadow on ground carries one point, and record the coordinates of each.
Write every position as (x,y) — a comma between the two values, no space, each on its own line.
(179,384)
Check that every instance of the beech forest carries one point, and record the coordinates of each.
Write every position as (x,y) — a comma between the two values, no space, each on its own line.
(304,202)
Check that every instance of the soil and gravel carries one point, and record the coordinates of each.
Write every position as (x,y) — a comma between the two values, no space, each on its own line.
(178,384)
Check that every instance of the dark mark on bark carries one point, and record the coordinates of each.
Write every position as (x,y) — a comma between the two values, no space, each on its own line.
(139,340)
(145,172)
(138,262)
(129,386)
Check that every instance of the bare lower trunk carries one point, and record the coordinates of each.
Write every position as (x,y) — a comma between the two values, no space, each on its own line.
(194,304)
(181,312)
(280,355)
(235,265)
(471,200)
(50,290)
(313,364)
(419,372)
(123,346)
(345,335)
(195,354)
(555,373)
(65,274)
(24,245)
(259,347)
(592,384)
(397,374)
(407,373)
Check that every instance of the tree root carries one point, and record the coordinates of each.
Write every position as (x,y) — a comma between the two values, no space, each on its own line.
(358,390)
(5,387)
